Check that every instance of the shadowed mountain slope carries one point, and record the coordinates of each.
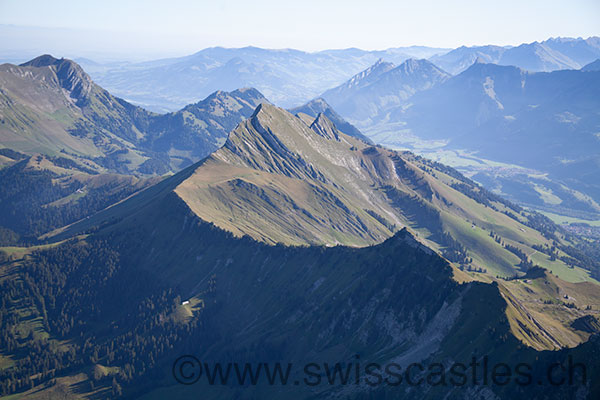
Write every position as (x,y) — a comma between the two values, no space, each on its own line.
(41,193)
(186,287)
(593,66)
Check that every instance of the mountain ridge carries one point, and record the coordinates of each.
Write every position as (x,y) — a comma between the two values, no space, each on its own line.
(382,87)
(278,180)
(70,75)
(593,66)
(53,107)
(287,77)
(548,55)
(319,106)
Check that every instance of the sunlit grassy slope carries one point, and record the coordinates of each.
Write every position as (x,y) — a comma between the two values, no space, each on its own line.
(295,180)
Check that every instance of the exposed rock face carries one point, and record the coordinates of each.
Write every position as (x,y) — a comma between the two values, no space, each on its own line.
(70,75)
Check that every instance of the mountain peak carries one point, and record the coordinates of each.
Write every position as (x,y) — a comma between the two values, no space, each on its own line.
(411,62)
(261,108)
(323,126)
(370,74)
(217,95)
(275,141)
(227,105)
(313,107)
(320,102)
(320,106)
(412,65)
(383,86)
(44,60)
(248,91)
(267,119)
(380,66)
(71,76)
(404,236)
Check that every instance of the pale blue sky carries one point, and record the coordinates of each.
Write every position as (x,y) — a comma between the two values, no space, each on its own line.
(182,26)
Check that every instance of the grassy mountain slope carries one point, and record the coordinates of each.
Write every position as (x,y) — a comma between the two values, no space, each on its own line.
(41,193)
(280,180)
(51,106)
(136,297)
(216,270)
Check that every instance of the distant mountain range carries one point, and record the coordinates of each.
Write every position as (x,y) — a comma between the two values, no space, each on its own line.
(543,121)
(365,97)
(593,66)
(549,55)
(287,77)
(291,77)
(319,106)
